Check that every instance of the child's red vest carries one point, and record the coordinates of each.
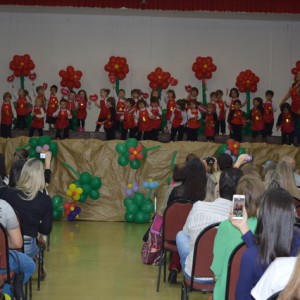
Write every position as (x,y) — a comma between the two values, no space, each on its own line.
(287,124)
(120,109)
(155,124)
(257,119)
(52,106)
(21,108)
(81,110)
(62,121)
(209,125)
(6,114)
(128,121)
(194,122)
(144,120)
(268,112)
(171,104)
(37,122)
(177,118)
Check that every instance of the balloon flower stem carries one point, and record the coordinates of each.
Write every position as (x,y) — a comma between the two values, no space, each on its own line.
(148,195)
(151,148)
(72,169)
(173,160)
(23,147)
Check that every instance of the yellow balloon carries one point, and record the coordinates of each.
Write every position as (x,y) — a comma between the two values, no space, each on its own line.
(69,193)
(77,217)
(72,208)
(79,191)
(76,197)
(130,186)
(72,187)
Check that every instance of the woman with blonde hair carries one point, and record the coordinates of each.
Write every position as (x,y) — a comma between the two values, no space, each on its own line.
(32,206)
(212,192)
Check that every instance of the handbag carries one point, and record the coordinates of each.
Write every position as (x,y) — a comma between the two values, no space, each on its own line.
(151,249)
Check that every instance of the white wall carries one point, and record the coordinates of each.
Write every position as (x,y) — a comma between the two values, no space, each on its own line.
(269,48)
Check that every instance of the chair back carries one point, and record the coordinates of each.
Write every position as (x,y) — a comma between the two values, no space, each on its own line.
(298,211)
(203,253)
(175,216)
(4,254)
(233,270)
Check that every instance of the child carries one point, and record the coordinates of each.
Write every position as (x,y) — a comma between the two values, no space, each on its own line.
(269,109)
(178,120)
(171,104)
(193,94)
(41,95)
(38,115)
(7,114)
(71,106)
(143,120)
(136,96)
(155,118)
(104,110)
(256,116)
(129,120)
(110,121)
(22,109)
(120,107)
(210,119)
(234,95)
(62,116)
(286,123)
(236,121)
(52,107)
(81,109)
(221,113)
(193,124)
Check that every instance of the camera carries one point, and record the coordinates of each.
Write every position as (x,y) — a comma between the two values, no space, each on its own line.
(210,161)
(43,155)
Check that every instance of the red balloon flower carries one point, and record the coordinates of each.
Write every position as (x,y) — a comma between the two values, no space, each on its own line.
(70,78)
(297,68)
(233,146)
(136,152)
(116,67)
(203,67)
(21,65)
(247,80)
(159,79)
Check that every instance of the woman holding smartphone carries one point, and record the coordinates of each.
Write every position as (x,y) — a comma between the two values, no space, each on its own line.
(275,237)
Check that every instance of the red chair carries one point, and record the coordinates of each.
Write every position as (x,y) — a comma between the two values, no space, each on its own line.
(202,260)
(175,216)
(297,205)
(233,270)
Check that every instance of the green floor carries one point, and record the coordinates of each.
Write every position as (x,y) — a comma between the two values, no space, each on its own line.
(100,260)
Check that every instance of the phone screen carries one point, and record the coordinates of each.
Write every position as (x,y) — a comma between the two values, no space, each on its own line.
(237,206)
(43,155)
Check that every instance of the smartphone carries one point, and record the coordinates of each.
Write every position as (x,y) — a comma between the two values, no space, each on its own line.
(43,155)
(238,203)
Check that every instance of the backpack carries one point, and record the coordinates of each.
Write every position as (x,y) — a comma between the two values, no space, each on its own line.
(151,249)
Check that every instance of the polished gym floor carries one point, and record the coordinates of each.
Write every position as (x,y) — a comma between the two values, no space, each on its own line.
(101,260)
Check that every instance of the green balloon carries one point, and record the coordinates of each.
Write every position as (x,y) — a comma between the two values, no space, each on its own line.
(241,151)
(57,214)
(144,154)
(57,201)
(135,164)
(94,194)
(96,183)
(83,198)
(129,217)
(53,148)
(85,178)
(221,149)
(132,142)
(132,209)
(128,201)
(140,217)
(33,142)
(43,140)
(121,148)
(122,160)
(86,188)
(139,199)
(147,207)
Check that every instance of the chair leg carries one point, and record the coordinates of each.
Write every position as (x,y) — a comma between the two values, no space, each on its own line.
(162,254)
(183,291)
(48,242)
(165,267)
(30,288)
(26,291)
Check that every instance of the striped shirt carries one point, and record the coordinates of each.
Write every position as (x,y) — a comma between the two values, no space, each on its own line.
(202,215)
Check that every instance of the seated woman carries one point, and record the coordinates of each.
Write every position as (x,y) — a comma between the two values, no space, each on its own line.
(228,237)
(33,206)
(275,237)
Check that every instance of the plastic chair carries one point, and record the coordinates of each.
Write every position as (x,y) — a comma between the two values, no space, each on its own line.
(175,216)
(233,270)
(202,260)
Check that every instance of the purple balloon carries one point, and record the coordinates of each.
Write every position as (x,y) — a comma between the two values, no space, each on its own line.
(128,191)
(233,158)
(227,152)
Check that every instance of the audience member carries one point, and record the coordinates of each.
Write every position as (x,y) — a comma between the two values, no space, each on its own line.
(212,191)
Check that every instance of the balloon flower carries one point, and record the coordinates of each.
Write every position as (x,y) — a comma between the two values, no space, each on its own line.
(131,188)
(86,186)
(158,79)
(132,153)
(70,78)
(72,210)
(296,69)
(231,148)
(138,206)
(38,145)
(57,203)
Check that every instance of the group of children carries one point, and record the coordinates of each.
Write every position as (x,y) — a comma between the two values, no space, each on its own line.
(135,118)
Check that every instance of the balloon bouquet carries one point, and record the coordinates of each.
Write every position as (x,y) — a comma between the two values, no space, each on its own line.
(231,148)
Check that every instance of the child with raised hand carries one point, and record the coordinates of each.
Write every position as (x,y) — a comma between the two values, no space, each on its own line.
(82,102)
(7,115)
(285,122)
(155,118)
(236,121)
(193,124)
(210,120)
(104,110)
(221,113)
(110,121)
(38,114)
(256,116)
(128,120)
(269,109)
(142,117)
(62,115)
(52,107)
(178,120)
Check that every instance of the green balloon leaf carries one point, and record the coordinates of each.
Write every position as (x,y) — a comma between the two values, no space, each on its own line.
(83,198)
(94,194)
(85,178)
(132,209)
(121,148)
(123,160)
(135,164)
(128,201)
(96,183)
(129,217)
(132,142)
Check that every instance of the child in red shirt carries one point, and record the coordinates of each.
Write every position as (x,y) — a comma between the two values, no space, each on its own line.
(155,116)
(171,104)
(104,110)
(110,121)
(221,113)
(193,124)
(285,122)
(22,108)
(38,114)
(52,107)
(71,106)
(236,121)
(143,120)
(120,108)
(7,114)
(269,109)
(128,120)
(210,120)
(82,102)
(178,120)
(62,115)
(256,116)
